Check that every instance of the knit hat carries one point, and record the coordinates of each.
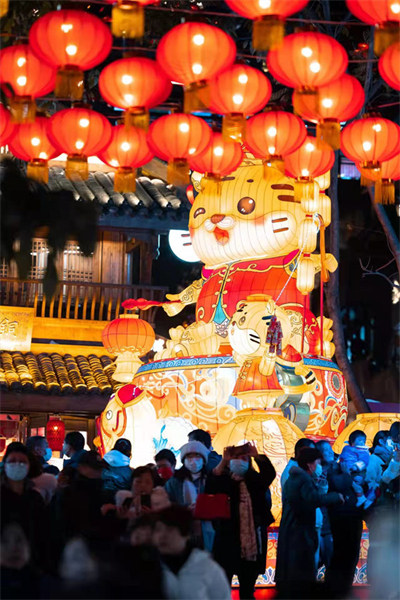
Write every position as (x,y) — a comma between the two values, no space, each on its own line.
(196,447)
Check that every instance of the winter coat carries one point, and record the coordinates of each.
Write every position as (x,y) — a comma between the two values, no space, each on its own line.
(74,460)
(343,483)
(319,516)
(213,461)
(298,541)
(119,474)
(226,550)
(175,486)
(46,485)
(200,578)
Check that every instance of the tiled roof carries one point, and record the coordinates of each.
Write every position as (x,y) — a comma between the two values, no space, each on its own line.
(55,374)
(153,197)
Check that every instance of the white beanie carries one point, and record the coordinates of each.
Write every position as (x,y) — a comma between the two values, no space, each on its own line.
(195,447)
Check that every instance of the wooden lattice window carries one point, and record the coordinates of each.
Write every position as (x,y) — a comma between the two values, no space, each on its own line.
(76,266)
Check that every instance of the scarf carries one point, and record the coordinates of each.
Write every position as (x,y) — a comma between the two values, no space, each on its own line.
(248,540)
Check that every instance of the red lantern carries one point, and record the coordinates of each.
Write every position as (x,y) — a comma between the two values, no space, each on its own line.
(307,60)
(6,127)
(370,141)
(55,433)
(218,159)
(176,138)
(31,143)
(389,66)
(384,177)
(73,41)
(269,18)
(192,53)
(274,134)
(29,78)
(135,84)
(238,91)
(80,132)
(306,163)
(127,150)
(338,101)
(384,14)
(128,17)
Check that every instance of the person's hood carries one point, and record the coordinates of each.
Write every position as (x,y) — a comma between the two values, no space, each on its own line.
(115,458)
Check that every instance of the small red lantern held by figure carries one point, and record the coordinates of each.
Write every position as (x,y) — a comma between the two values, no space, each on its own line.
(235,93)
(269,18)
(389,66)
(30,142)
(80,132)
(72,41)
(135,84)
(307,60)
(384,14)
(175,138)
(192,53)
(55,433)
(128,17)
(28,77)
(273,134)
(338,101)
(126,151)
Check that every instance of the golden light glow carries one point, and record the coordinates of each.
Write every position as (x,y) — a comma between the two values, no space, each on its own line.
(197,68)
(192,150)
(264,3)
(243,78)
(71,49)
(218,151)
(79,145)
(84,122)
(128,98)
(367,146)
(305,172)
(271,131)
(271,149)
(395,8)
(43,156)
(237,98)
(126,79)
(184,127)
(327,102)
(21,80)
(310,147)
(65,27)
(21,61)
(35,141)
(377,127)
(198,39)
(306,51)
(114,163)
(315,67)
(125,146)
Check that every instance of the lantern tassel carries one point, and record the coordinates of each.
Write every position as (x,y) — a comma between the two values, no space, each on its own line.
(384,192)
(125,180)
(77,167)
(369,166)
(137,117)
(268,32)
(328,132)
(385,35)
(127,19)
(196,97)
(178,171)
(233,127)
(311,93)
(3,7)
(23,109)
(211,183)
(38,170)
(69,83)
(274,162)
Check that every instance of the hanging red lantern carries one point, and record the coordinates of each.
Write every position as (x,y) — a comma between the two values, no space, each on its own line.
(269,19)
(128,17)
(175,138)
(28,77)
(338,101)
(126,151)
(191,54)
(7,128)
(304,165)
(273,134)
(370,141)
(31,143)
(307,60)
(235,93)
(55,433)
(384,178)
(219,159)
(135,84)
(129,338)
(384,14)
(72,41)
(80,132)
(389,66)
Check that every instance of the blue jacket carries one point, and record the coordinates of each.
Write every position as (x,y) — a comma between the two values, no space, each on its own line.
(119,474)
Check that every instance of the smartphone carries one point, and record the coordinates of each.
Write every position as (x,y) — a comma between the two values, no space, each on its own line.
(145,500)
(239,450)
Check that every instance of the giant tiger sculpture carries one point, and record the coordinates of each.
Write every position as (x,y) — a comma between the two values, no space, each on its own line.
(255,342)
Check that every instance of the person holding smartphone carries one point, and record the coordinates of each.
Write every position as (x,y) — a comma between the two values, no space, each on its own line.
(240,544)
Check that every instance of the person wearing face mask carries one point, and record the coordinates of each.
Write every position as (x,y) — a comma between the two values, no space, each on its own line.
(240,544)
(21,503)
(295,574)
(73,448)
(38,446)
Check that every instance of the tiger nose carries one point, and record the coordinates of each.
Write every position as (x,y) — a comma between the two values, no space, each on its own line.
(217,218)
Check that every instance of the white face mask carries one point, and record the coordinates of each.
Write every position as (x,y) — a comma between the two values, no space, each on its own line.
(194,465)
(238,466)
(16,471)
(318,471)
(48,454)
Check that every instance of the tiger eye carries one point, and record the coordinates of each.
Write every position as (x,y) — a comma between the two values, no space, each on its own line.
(246,205)
(199,211)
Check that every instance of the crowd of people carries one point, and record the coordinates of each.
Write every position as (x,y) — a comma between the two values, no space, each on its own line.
(100,529)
